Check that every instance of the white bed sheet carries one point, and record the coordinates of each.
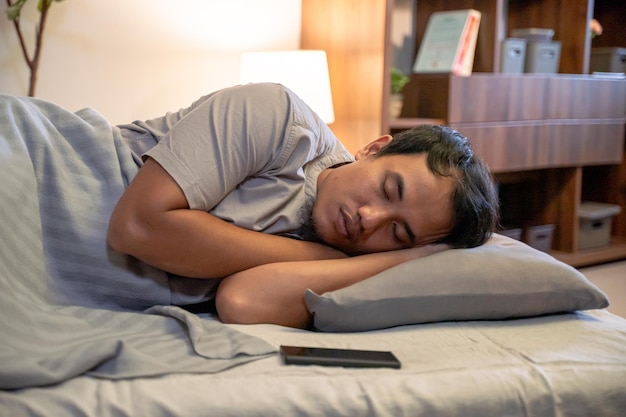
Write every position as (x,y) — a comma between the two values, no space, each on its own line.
(561,365)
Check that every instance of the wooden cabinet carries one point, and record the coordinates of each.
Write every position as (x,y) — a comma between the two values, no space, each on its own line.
(551,140)
(543,121)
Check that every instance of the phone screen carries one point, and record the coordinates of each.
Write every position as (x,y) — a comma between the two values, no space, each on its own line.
(300,355)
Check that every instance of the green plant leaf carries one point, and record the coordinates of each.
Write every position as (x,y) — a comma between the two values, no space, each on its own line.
(41,3)
(13,12)
(398,80)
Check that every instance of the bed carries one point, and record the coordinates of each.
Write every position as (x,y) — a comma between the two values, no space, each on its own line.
(561,365)
(502,329)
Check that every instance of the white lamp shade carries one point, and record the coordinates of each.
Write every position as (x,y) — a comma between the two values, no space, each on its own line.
(303,72)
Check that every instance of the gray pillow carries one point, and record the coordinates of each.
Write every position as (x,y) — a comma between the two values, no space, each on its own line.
(504,278)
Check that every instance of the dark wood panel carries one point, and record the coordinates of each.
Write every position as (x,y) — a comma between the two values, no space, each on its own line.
(522,197)
(614,252)
(562,187)
(542,121)
(501,97)
(426,96)
(618,194)
(507,147)
(611,14)
(517,146)
(479,98)
(574,144)
(607,184)
(496,98)
(585,97)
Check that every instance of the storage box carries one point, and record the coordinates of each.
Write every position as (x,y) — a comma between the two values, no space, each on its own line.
(608,60)
(542,57)
(513,233)
(595,220)
(539,237)
(513,56)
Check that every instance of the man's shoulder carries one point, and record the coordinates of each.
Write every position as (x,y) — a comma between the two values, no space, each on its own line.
(269,92)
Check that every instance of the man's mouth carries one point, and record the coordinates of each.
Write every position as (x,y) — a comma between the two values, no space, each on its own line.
(346,226)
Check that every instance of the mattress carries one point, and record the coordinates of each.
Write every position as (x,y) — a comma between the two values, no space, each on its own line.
(558,365)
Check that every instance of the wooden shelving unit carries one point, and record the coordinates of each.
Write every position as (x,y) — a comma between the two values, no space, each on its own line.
(556,139)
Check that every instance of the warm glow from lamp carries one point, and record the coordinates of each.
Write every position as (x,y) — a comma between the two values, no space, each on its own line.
(303,72)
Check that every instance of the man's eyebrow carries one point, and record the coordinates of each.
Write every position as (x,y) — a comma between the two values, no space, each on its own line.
(400,182)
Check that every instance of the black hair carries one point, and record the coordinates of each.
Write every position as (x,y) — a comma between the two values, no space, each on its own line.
(449,154)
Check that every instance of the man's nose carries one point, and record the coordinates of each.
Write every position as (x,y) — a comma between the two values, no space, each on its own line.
(374,216)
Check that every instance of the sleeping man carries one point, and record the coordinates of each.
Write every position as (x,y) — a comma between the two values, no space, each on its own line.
(250,191)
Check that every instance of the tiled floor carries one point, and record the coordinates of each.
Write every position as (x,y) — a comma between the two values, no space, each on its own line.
(610,278)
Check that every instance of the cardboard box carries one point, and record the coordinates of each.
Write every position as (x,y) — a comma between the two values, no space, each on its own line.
(595,221)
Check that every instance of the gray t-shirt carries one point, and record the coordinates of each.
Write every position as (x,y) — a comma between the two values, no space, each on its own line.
(249,154)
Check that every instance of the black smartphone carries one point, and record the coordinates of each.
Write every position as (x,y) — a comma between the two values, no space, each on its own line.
(350,358)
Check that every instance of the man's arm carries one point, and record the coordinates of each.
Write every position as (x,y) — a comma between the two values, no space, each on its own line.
(274,293)
(153,222)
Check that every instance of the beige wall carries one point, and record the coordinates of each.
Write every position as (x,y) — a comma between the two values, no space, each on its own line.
(140,58)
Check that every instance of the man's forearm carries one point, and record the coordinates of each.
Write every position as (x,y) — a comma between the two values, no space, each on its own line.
(152,221)
(196,244)
(274,293)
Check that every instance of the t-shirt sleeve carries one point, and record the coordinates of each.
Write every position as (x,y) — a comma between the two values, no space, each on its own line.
(230,136)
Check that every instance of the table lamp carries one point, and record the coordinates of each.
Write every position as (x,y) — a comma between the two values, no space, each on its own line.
(305,72)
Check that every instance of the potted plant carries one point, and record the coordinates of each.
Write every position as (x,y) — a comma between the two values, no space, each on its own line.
(14,8)
(398,81)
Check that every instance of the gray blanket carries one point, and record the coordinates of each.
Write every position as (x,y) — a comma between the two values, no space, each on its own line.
(68,304)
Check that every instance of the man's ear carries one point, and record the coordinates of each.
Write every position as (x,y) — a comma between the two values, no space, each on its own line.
(373,147)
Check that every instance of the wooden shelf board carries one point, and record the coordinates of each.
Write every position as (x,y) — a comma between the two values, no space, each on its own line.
(409,122)
(614,252)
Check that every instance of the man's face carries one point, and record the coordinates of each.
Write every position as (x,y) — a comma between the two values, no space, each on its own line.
(380,204)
